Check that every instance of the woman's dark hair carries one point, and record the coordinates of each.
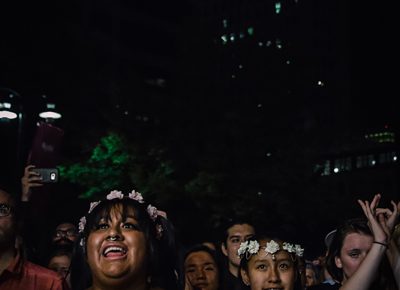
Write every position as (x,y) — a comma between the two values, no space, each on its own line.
(80,271)
(244,262)
(201,248)
(385,278)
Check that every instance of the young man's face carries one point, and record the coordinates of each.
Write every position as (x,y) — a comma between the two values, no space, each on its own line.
(7,223)
(237,234)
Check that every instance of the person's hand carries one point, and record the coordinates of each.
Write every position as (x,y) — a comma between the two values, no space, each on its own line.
(29,180)
(369,210)
(388,218)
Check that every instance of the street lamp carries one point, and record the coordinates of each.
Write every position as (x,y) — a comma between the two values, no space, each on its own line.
(11,107)
(8,107)
(50,112)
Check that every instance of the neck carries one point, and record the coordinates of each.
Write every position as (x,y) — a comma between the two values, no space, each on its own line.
(125,285)
(6,256)
(234,270)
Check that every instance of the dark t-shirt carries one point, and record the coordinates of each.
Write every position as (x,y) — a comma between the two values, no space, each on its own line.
(325,286)
(230,282)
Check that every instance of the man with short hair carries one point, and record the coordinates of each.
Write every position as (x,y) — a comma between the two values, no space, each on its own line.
(236,232)
(16,273)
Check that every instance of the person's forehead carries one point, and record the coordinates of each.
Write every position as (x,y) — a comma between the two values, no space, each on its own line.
(262,255)
(5,197)
(62,259)
(66,226)
(199,258)
(356,240)
(240,230)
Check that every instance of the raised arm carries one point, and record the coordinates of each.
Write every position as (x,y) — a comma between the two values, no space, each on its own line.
(388,219)
(29,180)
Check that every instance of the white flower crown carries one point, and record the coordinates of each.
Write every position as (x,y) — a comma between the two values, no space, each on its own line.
(151,210)
(249,248)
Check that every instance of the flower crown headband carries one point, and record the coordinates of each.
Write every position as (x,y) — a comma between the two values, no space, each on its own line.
(115,194)
(249,248)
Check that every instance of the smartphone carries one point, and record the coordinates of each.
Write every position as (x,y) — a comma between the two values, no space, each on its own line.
(48,175)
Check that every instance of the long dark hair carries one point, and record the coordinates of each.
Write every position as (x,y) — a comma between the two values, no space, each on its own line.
(81,277)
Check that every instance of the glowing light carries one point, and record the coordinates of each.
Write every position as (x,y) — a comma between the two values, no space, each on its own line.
(7,115)
(278,7)
(50,115)
(250,30)
(224,39)
(336,170)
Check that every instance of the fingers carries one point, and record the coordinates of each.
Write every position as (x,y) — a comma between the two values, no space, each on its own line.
(375,202)
(363,206)
(384,211)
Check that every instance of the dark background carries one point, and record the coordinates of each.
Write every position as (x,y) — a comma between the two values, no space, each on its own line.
(248,109)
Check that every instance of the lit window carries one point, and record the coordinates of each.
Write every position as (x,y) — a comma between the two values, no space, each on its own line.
(278,7)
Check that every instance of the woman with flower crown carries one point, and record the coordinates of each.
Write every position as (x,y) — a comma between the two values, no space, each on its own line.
(118,246)
(270,264)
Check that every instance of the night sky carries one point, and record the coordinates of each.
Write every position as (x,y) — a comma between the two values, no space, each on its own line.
(180,74)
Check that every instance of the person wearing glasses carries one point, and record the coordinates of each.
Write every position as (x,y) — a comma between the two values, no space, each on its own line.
(16,272)
(65,235)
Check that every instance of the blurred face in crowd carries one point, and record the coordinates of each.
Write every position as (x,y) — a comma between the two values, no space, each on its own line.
(201,271)
(65,235)
(236,235)
(116,249)
(7,223)
(265,271)
(60,264)
(355,248)
(310,277)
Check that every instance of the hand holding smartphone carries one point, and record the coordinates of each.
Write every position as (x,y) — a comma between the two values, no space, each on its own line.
(47,175)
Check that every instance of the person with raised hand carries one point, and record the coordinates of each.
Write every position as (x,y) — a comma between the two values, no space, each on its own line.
(356,256)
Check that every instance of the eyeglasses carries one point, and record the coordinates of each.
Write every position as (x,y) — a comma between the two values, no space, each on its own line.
(63,233)
(5,210)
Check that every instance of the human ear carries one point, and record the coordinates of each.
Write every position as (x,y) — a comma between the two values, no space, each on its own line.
(224,250)
(245,277)
(338,262)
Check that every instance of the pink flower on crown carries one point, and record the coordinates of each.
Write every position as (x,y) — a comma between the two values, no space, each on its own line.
(136,196)
(82,224)
(115,194)
(152,211)
(93,205)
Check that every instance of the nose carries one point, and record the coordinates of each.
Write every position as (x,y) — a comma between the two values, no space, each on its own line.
(200,275)
(274,276)
(115,233)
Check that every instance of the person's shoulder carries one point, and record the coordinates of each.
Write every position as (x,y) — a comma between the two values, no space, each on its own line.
(38,271)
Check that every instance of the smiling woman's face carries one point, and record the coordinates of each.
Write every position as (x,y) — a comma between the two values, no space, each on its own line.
(121,258)
(265,272)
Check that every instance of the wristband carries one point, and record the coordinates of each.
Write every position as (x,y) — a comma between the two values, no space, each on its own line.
(379,243)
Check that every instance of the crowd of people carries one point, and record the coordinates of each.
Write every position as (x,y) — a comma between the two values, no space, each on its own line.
(125,243)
